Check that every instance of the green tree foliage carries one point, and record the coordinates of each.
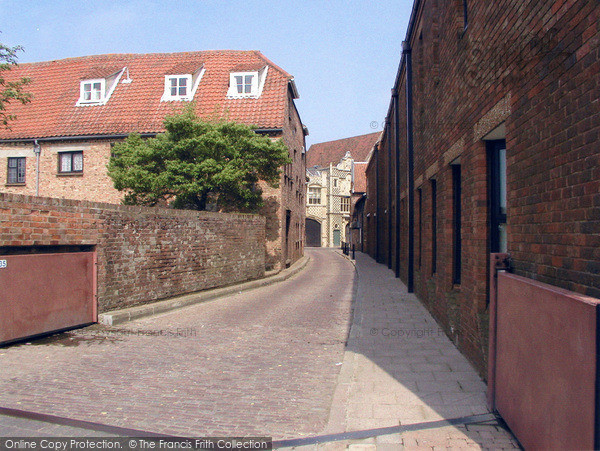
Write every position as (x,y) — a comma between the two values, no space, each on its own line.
(10,90)
(195,163)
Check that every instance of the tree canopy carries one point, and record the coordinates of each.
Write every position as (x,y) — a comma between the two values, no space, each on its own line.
(10,90)
(196,163)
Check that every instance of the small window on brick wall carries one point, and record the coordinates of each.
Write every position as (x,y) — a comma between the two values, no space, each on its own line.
(434,230)
(497,195)
(70,162)
(16,171)
(456,224)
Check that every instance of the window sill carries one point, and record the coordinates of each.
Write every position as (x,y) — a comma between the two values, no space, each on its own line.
(176,99)
(99,102)
(456,287)
(243,96)
(69,174)
(15,184)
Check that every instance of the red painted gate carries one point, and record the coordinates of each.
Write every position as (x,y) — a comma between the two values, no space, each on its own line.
(543,366)
(42,293)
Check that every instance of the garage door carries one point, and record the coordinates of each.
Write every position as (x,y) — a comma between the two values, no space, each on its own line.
(42,293)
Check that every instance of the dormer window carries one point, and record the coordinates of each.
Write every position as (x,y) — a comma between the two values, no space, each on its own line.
(178,86)
(247,84)
(181,86)
(92,91)
(97,91)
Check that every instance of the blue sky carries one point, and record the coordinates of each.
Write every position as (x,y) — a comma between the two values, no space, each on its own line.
(344,54)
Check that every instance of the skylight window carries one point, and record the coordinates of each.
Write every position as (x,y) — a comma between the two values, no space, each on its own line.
(181,86)
(247,84)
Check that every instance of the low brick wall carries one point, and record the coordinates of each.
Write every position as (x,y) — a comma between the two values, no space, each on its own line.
(144,254)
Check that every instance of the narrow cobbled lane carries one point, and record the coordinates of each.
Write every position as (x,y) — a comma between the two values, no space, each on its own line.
(262,362)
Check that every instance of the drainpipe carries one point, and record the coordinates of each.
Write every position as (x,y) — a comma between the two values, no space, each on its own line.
(37,150)
(407,53)
(329,206)
(397,193)
(377,212)
(389,190)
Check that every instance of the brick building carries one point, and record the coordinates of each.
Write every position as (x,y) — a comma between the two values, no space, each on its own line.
(490,144)
(60,144)
(331,188)
(359,197)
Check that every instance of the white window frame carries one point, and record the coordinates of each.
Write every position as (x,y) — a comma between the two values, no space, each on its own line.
(193,80)
(92,100)
(167,94)
(247,82)
(256,86)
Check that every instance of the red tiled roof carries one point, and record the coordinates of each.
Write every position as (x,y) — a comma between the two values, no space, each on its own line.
(360,177)
(333,151)
(136,107)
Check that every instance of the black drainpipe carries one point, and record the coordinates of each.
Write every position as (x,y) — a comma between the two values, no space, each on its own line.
(389,190)
(407,53)
(377,212)
(397,194)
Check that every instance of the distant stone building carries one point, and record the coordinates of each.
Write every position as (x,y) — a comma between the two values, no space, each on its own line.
(328,207)
(331,188)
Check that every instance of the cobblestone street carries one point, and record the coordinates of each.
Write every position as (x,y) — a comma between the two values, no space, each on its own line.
(264,361)
(272,361)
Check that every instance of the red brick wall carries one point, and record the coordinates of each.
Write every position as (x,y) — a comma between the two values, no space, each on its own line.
(293,186)
(534,67)
(144,254)
(289,195)
(383,200)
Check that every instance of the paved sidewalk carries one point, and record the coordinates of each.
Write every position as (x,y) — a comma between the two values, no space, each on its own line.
(401,372)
